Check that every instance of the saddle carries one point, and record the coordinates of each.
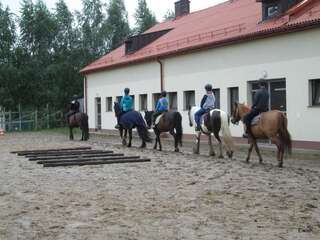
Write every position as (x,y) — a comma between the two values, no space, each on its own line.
(158,119)
(255,120)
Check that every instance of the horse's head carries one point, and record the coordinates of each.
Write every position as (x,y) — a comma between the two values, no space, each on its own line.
(148,117)
(189,115)
(235,116)
(116,108)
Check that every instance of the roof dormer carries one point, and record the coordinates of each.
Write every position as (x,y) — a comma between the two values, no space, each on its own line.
(274,8)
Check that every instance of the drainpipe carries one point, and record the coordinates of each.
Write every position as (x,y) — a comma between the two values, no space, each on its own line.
(161,74)
(85,86)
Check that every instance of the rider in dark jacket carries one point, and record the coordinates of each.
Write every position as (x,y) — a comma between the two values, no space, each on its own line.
(74,106)
(260,105)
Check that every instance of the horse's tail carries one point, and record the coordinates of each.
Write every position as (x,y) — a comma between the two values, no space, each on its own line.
(143,130)
(179,131)
(284,134)
(85,125)
(225,130)
(144,133)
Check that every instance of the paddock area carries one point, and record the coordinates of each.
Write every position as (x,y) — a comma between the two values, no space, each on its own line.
(174,196)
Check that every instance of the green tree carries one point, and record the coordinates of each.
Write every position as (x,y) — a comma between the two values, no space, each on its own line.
(169,15)
(117,23)
(7,36)
(145,19)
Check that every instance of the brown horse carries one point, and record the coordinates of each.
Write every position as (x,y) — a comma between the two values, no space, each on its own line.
(80,120)
(272,125)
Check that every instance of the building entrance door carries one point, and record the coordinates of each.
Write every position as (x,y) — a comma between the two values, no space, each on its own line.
(98,112)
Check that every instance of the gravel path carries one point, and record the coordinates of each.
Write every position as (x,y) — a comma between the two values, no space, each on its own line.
(175,196)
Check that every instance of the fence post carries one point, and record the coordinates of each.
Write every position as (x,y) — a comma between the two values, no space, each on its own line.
(36,119)
(20,123)
(48,117)
(10,121)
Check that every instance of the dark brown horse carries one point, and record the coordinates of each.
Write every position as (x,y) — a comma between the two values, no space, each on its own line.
(80,120)
(169,122)
(272,125)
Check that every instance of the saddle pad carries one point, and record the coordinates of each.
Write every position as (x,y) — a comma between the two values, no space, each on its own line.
(158,119)
(255,120)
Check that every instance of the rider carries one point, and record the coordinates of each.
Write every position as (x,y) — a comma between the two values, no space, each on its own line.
(207,103)
(126,104)
(161,107)
(260,105)
(74,106)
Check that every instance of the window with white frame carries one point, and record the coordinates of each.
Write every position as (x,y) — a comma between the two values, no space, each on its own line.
(143,102)
(233,96)
(173,101)
(108,104)
(314,92)
(188,99)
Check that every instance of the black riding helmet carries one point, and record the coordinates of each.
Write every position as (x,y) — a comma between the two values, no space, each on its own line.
(208,87)
(163,94)
(126,91)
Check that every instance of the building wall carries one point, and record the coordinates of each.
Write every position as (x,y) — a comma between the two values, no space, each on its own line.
(294,57)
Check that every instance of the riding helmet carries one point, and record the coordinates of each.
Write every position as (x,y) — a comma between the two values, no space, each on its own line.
(126,91)
(163,93)
(208,87)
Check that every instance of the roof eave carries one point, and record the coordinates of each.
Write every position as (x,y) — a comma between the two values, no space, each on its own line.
(238,39)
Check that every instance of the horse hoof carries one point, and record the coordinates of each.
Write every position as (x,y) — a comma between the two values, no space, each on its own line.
(143,146)
(124,142)
(129,145)
(221,157)
(212,154)
(280,165)
(247,160)
(176,150)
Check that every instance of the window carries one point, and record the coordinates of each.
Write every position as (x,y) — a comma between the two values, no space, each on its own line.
(189,99)
(133,104)
(118,98)
(109,104)
(233,96)
(155,98)
(270,10)
(216,93)
(173,101)
(143,102)
(314,94)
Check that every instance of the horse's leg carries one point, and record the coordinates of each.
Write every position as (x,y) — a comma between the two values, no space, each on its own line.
(160,145)
(257,150)
(176,148)
(211,152)
(130,137)
(196,147)
(216,135)
(71,133)
(280,147)
(249,152)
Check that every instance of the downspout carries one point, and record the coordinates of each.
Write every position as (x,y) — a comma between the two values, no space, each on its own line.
(161,74)
(85,85)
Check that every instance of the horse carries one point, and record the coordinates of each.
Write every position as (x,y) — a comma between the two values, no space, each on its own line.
(271,125)
(78,119)
(128,121)
(215,121)
(169,122)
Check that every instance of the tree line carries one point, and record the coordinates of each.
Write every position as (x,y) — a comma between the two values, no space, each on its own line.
(42,50)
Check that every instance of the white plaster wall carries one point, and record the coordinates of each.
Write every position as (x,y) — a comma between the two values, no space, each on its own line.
(295,57)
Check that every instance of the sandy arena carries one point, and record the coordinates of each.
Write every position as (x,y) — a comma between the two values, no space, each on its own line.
(175,196)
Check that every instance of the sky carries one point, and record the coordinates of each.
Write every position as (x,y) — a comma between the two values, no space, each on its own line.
(159,7)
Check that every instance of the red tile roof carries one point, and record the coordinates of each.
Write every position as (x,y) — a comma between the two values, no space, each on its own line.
(226,23)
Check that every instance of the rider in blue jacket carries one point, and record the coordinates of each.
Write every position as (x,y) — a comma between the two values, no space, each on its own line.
(161,107)
(207,103)
(126,104)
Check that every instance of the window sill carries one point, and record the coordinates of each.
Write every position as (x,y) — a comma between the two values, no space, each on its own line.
(314,106)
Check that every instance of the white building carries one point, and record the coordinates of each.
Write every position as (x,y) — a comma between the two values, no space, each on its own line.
(230,45)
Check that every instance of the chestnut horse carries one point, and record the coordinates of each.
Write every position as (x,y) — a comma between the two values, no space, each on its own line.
(272,125)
